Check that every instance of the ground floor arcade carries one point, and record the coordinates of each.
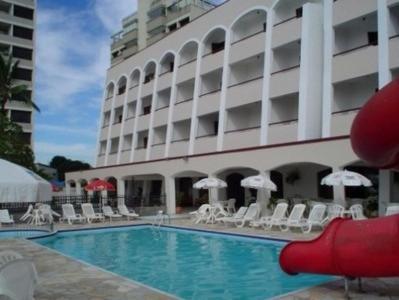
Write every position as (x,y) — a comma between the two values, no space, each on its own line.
(296,169)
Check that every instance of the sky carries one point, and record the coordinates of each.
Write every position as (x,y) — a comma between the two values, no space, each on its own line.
(72,55)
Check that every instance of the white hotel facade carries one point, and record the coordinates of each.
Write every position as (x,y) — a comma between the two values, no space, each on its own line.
(256,86)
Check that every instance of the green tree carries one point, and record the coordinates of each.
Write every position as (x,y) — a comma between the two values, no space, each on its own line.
(9,86)
(64,165)
(12,146)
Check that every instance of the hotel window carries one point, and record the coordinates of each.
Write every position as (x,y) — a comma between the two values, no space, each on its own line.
(20,116)
(147,110)
(23,33)
(23,74)
(23,12)
(24,53)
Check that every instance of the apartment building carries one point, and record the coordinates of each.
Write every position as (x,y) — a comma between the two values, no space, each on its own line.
(152,21)
(17,38)
(251,87)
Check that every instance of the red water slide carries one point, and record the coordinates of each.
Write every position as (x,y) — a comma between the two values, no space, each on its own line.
(367,248)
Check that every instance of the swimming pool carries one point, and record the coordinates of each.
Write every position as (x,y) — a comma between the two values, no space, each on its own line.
(185,263)
(15,233)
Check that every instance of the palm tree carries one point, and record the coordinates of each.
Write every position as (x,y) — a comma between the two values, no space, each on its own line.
(8,85)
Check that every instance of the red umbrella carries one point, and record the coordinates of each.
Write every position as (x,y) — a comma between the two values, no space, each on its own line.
(99,185)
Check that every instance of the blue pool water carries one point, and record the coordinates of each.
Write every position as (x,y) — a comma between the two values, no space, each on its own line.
(184,263)
(12,234)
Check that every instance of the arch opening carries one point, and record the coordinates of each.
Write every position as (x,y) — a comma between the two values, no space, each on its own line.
(188,53)
(149,72)
(167,63)
(215,41)
(248,25)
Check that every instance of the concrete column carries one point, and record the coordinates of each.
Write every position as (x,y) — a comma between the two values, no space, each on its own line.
(100,124)
(263,196)
(328,43)
(195,191)
(223,91)
(68,189)
(124,116)
(170,195)
(121,187)
(385,190)
(154,102)
(264,129)
(311,73)
(136,119)
(146,191)
(384,74)
(111,121)
(78,188)
(172,101)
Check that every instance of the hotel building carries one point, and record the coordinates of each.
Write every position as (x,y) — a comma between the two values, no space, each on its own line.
(17,38)
(256,86)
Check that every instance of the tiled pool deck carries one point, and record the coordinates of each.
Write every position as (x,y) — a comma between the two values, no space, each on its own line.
(61,277)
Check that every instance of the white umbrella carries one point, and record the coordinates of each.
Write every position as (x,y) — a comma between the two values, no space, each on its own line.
(258,182)
(210,184)
(262,184)
(345,178)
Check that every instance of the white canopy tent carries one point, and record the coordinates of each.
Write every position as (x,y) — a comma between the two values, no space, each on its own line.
(18,184)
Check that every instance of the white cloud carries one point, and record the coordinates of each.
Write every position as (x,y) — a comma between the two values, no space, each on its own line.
(111,12)
(81,131)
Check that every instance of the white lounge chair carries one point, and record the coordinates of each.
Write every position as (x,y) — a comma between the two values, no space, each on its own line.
(232,219)
(251,214)
(295,217)
(89,214)
(316,218)
(126,213)
(108,212)
(47,213)
(5,217)
(268,222)
(357,212)
(220,212)
(28,214)
(392,210)
(334,211)
(201,214)
(231,206)
(18,277)
(69,215)
(7,255)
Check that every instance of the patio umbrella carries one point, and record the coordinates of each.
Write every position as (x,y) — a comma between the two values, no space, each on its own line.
(210,184)
(99,186)
(345,178)
(262,184)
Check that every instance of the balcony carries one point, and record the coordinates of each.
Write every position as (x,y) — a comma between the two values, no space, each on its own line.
(107,104)
(341,122)
(119,99)
(115,130)
(8,39)
(286,32)
(205,144)
(242,138)
(158,151)
(212,61)
(125,156)
(283,132)
(284,82)
(346,10)
(112,158)
(186,71)
(355,63)
(104,133)
(246,92)
(179,147)
(156,23)
(209,103)
(10,19)
(161,116)
(139,154)
(183,110)
(147,88)
(393,52)
(165,80)
(247,47)
(129,126)
(143,123)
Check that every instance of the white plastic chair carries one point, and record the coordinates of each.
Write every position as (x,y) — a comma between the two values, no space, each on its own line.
(251,214)
(69,215)
(5,217)
(122,209)
(237,216)
(268,222)
(28,214)
(108,212)
(294,218)
(392,210)
(334,211)
(357,212)
(89,214)
(18,277)
(316,218)
(231,206)
(201,214)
